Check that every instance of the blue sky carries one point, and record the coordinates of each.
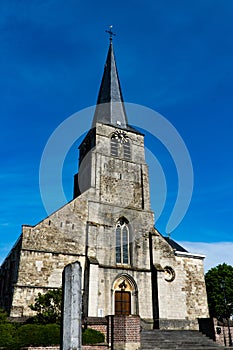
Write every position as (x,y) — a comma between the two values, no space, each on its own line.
(175,57)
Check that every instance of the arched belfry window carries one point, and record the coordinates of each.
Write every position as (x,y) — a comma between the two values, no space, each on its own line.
(122,242)
(126,149)
(114,145)
(120,145)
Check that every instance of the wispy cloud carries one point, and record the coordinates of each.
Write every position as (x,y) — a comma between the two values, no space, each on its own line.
(4,224)
(216,253)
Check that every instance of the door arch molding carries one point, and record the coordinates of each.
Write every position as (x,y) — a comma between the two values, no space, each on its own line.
(126,284)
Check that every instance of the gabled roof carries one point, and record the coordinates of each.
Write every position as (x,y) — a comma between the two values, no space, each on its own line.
(175,245)
(110,105)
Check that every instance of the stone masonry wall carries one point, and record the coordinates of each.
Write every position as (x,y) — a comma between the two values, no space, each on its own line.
(33,281)
(181,286)
(101,234)
(115,176)
(195,289)
(103,135)
(9,275)
(61,232)
(46,249)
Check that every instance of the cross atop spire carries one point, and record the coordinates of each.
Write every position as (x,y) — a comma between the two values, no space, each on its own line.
(110,105)
(110,32)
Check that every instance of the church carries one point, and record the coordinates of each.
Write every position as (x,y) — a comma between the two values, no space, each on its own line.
(128,267)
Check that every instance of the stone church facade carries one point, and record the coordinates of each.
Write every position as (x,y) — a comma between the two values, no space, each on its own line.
(128,266)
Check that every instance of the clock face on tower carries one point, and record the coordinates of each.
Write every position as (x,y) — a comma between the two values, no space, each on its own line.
(121,136)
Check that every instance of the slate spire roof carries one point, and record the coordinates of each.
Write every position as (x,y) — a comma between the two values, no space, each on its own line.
(110,105)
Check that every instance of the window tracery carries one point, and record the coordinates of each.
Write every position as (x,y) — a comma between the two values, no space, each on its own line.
(122,242)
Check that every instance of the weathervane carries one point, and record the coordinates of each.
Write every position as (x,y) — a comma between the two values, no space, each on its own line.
(110,32)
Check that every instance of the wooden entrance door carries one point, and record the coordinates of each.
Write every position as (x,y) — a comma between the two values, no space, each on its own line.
(122,303)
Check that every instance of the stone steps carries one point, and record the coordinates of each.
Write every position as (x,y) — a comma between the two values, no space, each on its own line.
(176,339)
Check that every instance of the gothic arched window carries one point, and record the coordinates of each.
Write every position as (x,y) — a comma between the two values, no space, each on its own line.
(122,242)
(126,149)
(114,145)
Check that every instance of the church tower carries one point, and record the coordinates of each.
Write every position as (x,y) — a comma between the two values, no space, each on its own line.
(113,175)
(110,119)
(128,267)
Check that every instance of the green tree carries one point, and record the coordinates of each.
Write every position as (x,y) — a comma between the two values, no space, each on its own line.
(48,307)
(37,335)
(91,336)
(7,331)
(219,286)
(3,316)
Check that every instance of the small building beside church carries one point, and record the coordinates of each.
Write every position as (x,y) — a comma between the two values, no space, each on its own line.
(128,267)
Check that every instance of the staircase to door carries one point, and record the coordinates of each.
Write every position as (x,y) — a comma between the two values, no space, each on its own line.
(176,339)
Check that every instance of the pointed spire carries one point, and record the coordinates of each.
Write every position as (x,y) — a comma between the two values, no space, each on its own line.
(110,105)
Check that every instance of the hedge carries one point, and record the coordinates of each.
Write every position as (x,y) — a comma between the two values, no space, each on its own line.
(15,336)
(91,336)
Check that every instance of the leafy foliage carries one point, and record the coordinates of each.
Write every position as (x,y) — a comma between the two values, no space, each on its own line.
(14,337)
(3,316)
(7,335)
(7,330)
(219,286)
(91,336)
(37,335)
(48,307)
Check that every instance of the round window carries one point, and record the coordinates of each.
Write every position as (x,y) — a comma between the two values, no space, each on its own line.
(169,274)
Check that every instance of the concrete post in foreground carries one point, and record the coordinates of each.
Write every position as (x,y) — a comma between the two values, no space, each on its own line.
(72,307)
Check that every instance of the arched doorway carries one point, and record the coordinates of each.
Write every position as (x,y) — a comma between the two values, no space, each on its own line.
(125,296)
(122,303)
